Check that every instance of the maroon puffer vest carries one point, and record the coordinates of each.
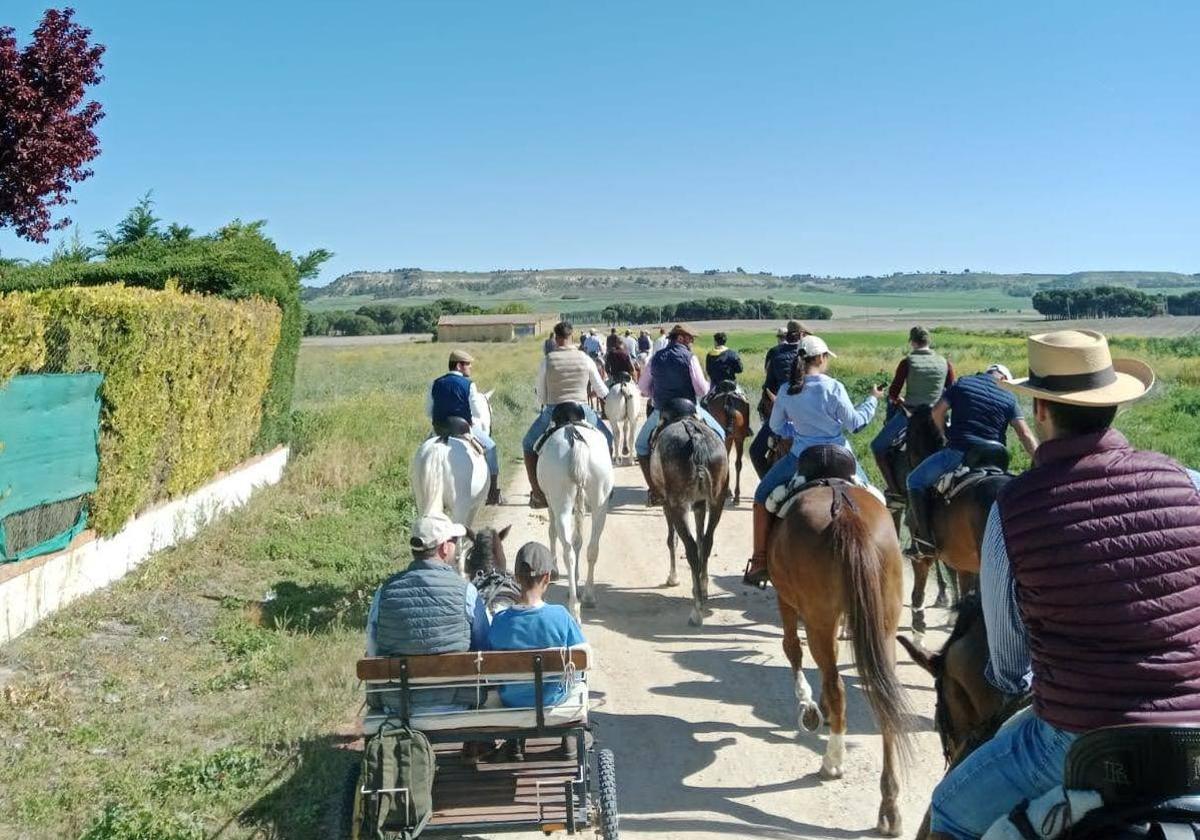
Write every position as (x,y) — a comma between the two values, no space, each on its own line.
(1104,543)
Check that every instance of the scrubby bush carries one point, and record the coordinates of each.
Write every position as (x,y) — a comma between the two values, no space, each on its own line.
(184,379)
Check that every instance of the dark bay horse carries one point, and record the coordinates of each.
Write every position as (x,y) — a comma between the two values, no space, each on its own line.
(957,526)
(836,553)
(732,411)
(690,470)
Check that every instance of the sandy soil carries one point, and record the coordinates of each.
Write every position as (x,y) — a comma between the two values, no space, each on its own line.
(703,720)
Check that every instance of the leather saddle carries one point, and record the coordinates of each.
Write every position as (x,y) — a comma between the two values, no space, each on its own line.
(674,411)
(564,414)
(824,465)
(981,462)
(725,386)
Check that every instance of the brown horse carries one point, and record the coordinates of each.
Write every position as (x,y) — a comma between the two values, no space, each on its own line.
(968,709)
(732,412)
(836,553)
(689,468)
(958,525)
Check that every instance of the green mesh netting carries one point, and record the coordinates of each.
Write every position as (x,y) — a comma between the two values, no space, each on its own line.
(49,431)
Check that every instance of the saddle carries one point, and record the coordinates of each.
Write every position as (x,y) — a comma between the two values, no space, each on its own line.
(982,462)
(824,465)
(564,414)
(620,378)
(1126,782)
(456,427)
(673,412)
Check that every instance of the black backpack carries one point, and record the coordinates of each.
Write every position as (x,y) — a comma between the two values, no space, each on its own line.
(397,759)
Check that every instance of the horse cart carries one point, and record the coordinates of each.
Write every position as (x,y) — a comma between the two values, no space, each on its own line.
(556,781)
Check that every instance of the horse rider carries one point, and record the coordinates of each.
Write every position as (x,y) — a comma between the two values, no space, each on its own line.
(980,412)
(563,376)
(923,375)
(630,343)
(1090,584)
(660,342)
(591,344)
(612,341)
(722,364)
(673,373)
(643,343)
(778,366)
(618,361)
(454,395)
(819,408)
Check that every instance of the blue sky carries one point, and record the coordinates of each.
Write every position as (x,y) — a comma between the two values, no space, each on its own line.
(832,138)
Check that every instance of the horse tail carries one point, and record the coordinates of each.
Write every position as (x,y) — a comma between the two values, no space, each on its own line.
(578,467)
(862,564)
(431,474)
(699,455)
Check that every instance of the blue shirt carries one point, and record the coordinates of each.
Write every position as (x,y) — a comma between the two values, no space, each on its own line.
(821,413)
(533,628)
(980,411)
(1008,667)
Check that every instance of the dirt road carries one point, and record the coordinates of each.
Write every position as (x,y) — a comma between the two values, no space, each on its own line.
(703,720)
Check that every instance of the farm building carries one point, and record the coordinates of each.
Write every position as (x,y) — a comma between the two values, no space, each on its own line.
(493,327)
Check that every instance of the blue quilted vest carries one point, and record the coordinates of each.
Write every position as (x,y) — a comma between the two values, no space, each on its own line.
(451,397)
(672,374)
(979,411)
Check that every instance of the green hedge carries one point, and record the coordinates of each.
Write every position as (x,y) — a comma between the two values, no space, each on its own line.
(237,262)
(184,381)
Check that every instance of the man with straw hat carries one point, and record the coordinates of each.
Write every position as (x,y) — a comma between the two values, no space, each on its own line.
(673,373)
(1090,582)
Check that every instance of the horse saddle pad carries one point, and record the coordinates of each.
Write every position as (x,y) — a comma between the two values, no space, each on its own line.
(456,427)
(818,466)
(962,479)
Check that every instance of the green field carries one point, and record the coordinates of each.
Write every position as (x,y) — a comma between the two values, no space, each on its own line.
(843,304)
(210,692)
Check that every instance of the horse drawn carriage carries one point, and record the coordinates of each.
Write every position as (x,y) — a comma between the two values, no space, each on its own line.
(546,777)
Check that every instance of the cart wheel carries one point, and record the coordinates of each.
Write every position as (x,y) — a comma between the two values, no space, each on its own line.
(606,777)
(351,821)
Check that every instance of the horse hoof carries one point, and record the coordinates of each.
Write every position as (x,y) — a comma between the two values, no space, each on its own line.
(889,822)
(672,581)
(830,772)
(589,603)
(696,619)
(811,718)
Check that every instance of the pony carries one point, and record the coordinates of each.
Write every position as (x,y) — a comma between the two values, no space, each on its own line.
(449,475)
(733,412)
(690,470)
(621,409)
(576,474)
(836,553)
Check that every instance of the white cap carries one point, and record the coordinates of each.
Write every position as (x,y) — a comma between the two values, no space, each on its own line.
(814,345)
(430,531)
(1002,370)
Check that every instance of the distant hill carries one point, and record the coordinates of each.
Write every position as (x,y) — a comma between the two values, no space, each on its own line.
(564,283)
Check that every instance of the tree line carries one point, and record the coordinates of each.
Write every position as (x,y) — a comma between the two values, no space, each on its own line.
(393,319)
(1097,302)
(707,309)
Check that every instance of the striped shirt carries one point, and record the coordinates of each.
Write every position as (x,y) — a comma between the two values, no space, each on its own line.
(1008,667)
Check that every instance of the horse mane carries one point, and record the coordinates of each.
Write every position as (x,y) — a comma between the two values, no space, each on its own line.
(969,611)
(923,436)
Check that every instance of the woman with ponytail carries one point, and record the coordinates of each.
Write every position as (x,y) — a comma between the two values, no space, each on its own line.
(819,408)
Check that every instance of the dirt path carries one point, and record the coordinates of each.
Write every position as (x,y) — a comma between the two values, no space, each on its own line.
(703,721)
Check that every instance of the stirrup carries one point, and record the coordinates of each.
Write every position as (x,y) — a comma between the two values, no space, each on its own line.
(920,548)
(758,578)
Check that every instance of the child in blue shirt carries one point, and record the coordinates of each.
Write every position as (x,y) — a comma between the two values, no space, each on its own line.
(532,624)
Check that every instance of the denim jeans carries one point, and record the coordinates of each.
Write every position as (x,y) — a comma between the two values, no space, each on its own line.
(643,439)
(489,451)
(781,472)
(926,473)
(895,424)
(542,423)
(1023,761)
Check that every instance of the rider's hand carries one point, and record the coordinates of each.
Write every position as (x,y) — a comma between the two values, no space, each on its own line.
(876,392)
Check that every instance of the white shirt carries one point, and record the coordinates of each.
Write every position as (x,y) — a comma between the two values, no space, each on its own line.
(659,343)
(479,406)
(630,346)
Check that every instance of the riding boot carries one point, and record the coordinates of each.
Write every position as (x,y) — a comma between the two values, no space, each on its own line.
(920,506)
(891,487)
(493,496)
(537,499)
(652,497)
(756,568)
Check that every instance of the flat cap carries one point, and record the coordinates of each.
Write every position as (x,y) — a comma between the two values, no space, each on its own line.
(457,356)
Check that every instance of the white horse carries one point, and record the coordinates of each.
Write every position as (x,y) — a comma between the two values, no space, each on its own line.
(449,474)
(621,408)
(576,474)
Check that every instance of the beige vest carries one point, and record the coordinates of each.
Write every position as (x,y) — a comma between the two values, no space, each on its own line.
(567,375)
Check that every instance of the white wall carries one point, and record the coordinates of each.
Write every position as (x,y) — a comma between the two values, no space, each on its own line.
(32,589)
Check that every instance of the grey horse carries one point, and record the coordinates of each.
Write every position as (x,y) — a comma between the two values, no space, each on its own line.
(690,470)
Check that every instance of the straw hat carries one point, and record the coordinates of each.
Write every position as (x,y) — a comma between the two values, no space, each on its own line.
(1075,367)
(683,329)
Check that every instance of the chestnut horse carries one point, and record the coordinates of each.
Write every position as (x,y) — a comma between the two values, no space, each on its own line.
(835,553)
(732,412)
